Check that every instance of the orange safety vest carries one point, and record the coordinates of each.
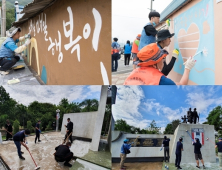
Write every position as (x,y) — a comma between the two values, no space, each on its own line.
(135,47)
(114,51)
(144,76)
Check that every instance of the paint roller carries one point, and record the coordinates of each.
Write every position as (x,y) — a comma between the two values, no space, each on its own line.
(210,141)
(204,51)
(135,140)
(190,135)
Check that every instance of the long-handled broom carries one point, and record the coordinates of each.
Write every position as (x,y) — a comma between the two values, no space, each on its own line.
(37,167)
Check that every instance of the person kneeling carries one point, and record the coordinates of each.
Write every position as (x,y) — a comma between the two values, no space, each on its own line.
(151,62)
(63,154)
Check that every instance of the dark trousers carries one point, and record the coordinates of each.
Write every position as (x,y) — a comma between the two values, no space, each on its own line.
(37,135)
(7,64)
(18,145)
(115,61)
(166,151)
(70,137)
(8,136)
(178,159)
(67,158)
(127,58)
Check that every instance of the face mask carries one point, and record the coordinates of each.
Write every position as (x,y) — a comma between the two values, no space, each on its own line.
(154,24)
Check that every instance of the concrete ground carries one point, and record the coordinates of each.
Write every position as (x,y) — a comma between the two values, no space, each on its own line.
(43,152)
(139,166)
(25,76)
(192,166)
(122,73)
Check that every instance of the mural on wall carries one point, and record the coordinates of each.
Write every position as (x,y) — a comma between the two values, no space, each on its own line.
(58,37)
(194,32)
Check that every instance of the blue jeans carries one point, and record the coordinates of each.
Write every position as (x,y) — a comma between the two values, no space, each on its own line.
(115,61)
(18,145)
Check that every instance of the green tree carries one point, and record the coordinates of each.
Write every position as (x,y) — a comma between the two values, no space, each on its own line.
(214,118)
(29,126)
(15,126)
(89,105)
(121,125)
(168,129)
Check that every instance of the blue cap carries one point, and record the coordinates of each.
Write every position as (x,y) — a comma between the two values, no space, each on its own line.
(126,140)
(220,138)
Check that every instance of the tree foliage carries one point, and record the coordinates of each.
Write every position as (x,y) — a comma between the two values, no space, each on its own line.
(122,125)
(214,118)
(171,127)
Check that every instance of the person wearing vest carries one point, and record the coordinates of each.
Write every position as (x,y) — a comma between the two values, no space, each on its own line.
(115,54)
(149,32)
(151,63)
(127,52)
(163,40)
(135,50)
(9,49)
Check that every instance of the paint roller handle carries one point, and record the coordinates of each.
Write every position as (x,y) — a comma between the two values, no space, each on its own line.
(27,36)
(27,42)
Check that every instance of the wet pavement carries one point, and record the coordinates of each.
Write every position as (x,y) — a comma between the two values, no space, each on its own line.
(43,151)
(25,76)
(139,166)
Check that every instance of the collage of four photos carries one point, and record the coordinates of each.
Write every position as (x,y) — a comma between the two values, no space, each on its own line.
(154,104)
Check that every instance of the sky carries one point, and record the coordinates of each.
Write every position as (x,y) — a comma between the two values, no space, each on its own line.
(52,94)
(129,17)
(139,105)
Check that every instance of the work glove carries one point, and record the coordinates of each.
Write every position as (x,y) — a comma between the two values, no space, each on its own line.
(27,36)
(175,53)
(40,131)
(27,42)
(189,64)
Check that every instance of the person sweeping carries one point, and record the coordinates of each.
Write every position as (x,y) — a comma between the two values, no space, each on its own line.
(9,129)
(18,139)
(69,127)
(37,131)
(151,64)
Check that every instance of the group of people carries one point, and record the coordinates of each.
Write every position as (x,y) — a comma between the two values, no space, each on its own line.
(150,57)
(62,153)
(9,51)
(179,148)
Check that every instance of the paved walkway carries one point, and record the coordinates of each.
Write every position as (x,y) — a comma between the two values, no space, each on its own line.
(139,166)
(123,71)
(25,76)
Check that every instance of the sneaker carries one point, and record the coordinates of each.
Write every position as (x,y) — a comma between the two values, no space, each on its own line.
(22,152)
(67,164)
(22,158)
(39,141)
(204,167)
(4,72)
(179,167)
(198,167)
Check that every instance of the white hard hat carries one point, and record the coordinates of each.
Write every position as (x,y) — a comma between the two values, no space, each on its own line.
(13,30)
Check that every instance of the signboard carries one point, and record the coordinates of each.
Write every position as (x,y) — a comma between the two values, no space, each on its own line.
(198,133)
(146,142)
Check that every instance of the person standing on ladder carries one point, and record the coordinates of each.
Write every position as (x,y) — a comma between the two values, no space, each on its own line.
(37,131)
(69,127)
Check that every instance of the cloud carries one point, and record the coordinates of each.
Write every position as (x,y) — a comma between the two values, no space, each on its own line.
(128,100)
(49,94)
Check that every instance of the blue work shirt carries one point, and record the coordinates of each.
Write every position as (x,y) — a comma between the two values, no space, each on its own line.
(37,125)
(219,145)
(126,146)
(127,49)
(166,81)
(179,147)
(19,136)
(166,142)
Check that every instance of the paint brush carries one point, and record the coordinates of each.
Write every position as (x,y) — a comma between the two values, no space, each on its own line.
(204,51)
